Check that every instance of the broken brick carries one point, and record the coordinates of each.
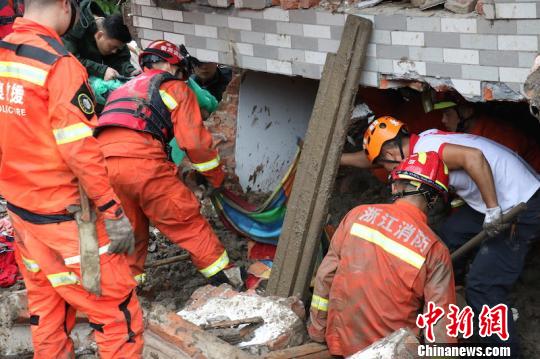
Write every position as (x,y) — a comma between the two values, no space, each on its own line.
(201,295)
(222,124)
(283,327)
(485,8)
(460,6)
(306,4)
(294,303)
(401,344)
(298,4)
(13,308)
(220,3)
(252,4)
(186,338)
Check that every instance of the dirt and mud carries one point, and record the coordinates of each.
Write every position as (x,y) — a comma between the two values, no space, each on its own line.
(172,285)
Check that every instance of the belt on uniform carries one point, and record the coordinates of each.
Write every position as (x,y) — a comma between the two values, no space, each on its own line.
(6,20)
(36,218)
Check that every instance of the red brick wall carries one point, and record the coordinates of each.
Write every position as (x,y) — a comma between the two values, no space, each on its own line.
(222,124)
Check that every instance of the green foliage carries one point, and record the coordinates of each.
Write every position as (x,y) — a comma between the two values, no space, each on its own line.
(109,6)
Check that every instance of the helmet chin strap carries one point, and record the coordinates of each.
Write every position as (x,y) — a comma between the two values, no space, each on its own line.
(428,196)
(400,145)
(462,120)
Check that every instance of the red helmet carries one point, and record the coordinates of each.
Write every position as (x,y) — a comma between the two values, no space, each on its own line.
(425,168)
(164,50)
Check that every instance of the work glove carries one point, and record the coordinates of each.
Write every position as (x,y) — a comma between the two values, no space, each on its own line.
(493,222)
(119,231)
(232,275)
(208,190)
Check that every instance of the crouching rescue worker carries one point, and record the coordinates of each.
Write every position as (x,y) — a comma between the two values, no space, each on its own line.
(464,117)
(385,264)
(491,180)
(47,151)
(138,121)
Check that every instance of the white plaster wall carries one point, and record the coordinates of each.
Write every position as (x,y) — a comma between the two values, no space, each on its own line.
(273,112)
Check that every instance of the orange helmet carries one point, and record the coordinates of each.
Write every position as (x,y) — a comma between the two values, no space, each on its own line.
(378,132)
(161,50)
(425,168)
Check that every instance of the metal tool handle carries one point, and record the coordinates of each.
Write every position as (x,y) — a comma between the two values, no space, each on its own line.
(480,237)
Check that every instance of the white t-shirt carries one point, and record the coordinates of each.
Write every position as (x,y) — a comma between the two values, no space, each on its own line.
(515,181)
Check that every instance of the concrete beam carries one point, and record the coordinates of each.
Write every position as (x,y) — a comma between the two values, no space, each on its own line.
(308,205)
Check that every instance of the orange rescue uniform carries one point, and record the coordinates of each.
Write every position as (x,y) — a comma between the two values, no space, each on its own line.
(383,264)
(47,149)
(507,135)
(148,186)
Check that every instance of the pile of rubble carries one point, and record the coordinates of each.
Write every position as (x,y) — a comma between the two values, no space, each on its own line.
(456,6)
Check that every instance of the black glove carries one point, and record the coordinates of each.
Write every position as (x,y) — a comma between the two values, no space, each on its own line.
(209,190)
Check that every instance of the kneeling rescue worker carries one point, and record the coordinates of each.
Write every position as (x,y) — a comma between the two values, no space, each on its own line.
(385,264)
(47,151)
(138,121)
(491,179)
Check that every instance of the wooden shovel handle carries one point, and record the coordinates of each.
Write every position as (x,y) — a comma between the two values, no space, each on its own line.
(85,205)
(480,237)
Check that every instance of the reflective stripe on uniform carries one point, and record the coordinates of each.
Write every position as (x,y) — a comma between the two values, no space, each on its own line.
(31,265)
(63,278)
(422,157)
(207,166)
(16,70)
(218,265)
(388,245)
(319,303)
(140,278)
(77,259)
(168,100)
(72,133)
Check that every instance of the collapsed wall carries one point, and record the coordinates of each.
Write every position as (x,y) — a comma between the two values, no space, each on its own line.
(484,59)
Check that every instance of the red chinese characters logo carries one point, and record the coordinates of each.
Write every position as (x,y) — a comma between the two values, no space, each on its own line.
(429,319)
(494,321)
(491,321)
(460,321)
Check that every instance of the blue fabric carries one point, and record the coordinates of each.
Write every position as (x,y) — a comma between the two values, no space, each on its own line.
(279,201)
(249,226)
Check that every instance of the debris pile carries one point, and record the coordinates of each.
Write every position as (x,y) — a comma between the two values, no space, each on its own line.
(401,344)
(15,337)
(222,307)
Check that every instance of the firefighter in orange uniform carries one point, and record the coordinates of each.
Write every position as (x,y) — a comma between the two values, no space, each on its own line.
(462,117)
(47,151)
(137,123)
(384,264)
(9,11)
